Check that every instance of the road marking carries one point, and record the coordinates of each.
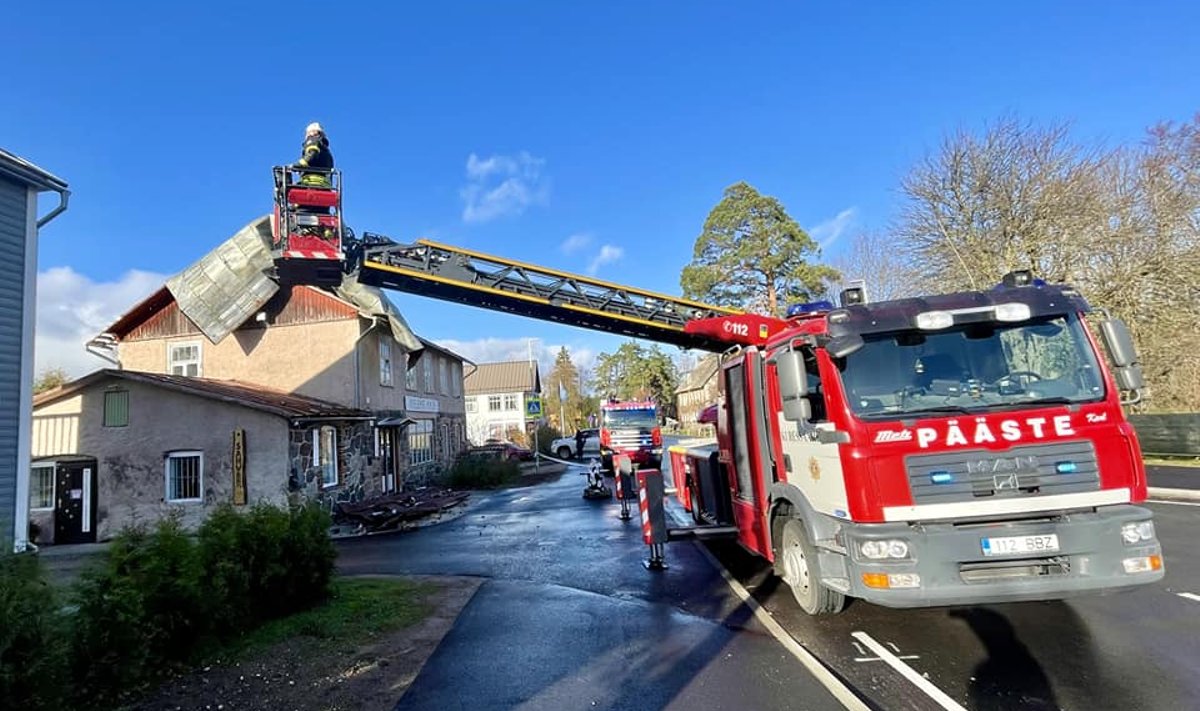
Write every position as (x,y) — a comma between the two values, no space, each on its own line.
(860,660)
(939,696)
(835,685)
(1191,596)
(1173,503)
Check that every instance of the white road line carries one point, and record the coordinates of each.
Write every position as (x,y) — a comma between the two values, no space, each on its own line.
(860,660)
(839,690)
(939,696)
(1191,596)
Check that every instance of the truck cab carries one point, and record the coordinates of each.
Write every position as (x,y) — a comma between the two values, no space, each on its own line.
(956,449)
(632,429)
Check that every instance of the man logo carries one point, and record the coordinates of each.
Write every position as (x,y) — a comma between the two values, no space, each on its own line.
(1010,482)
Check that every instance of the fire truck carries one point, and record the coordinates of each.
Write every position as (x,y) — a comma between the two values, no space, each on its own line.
(959,448)
(632,429)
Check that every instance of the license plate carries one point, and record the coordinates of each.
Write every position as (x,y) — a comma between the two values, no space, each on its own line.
(1015,545)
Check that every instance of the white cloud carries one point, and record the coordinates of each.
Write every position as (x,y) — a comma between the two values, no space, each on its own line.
(71,309)
(575,243)
(494,350)
(607,255)
(502,185)
(828,232)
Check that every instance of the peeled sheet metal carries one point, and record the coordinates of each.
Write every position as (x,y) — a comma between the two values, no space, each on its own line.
(229,284)
(370,301)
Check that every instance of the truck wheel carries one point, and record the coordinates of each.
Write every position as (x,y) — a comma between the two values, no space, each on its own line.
(564,452)
(802,572)
(694,497)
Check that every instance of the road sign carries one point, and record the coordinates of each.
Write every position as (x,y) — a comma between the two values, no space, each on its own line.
(533,408)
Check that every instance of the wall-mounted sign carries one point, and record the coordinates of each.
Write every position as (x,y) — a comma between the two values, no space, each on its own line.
(239,467)
(412,403)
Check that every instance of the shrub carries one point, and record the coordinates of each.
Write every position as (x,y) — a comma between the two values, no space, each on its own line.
(545,436)
(141,611)
(33,637)
(480,472)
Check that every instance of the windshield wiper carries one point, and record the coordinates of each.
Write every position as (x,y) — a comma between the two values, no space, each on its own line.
(935,409)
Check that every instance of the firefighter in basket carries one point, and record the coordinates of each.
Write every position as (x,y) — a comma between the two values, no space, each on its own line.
(315,167)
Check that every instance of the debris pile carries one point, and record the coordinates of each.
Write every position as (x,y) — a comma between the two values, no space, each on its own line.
(392,511)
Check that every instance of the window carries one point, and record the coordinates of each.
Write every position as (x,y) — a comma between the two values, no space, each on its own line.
(185,476)
(456,379)
(470,404)
(41,487)
(385,361)
(184,359)
(420,442)
(443,377)
(427,372)
(493,403)
(510,401)
(325,454)
(116,408)
(410,376)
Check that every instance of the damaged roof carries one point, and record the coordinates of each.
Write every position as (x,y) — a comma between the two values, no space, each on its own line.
(255,397)
(226,287)
(699,376)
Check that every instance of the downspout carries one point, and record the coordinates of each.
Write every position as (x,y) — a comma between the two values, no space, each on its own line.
(64,196)
(358,363)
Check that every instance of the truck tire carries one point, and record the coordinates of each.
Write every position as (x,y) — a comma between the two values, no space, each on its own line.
(564,452)
(802,572)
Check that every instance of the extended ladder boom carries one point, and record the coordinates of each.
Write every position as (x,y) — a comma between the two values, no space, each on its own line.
(482,280)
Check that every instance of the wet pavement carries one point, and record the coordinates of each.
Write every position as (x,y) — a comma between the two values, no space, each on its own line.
(1173,477)
(570,619)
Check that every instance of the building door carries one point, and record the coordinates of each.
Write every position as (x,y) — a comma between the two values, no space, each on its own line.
(389,445)
(75,502)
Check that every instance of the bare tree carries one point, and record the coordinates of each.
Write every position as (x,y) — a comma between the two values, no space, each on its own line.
(1122,225)
(886,271)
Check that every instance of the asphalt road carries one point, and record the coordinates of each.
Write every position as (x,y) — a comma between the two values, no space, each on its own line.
(1173,477)
(570,619)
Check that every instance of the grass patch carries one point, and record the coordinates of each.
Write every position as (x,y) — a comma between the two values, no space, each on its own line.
(360,608)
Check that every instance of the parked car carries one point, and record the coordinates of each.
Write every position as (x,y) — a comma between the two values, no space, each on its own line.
(564,447)
(503,449)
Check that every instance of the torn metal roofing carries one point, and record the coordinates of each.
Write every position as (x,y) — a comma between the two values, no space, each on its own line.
(256,397)
(229,284)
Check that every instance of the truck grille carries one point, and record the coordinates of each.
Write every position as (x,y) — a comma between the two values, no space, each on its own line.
(631,439)
(1035,470)
(1000,571)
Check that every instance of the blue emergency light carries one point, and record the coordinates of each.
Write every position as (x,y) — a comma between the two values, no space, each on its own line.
(1066,467)
(810,307)
(941,477)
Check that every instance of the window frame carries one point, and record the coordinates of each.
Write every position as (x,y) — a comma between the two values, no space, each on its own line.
(443,377)
(422,428)
(385,363)
(53,467)
(104,421)
(427,372)
(469,405)
(495,399)
(184,454)
(199,345)
(317,450)
(514,400)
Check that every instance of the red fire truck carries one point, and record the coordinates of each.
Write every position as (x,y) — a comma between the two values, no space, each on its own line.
(957,449)
(630,428)
(961,448)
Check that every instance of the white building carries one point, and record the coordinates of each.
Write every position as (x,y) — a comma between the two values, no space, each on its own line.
(498,399)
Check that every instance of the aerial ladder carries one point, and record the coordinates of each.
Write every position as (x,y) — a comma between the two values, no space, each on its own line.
(473,278)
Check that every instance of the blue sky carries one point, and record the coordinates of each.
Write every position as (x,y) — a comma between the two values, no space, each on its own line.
(567,134)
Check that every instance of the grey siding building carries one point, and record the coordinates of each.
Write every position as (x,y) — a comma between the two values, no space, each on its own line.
(20,184)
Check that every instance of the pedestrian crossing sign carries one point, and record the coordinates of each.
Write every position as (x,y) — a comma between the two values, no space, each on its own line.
(533,408)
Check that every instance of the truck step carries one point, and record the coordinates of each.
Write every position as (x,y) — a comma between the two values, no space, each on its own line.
(703,533)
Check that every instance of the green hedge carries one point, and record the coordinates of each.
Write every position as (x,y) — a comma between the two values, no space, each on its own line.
(483,472)
(158,600)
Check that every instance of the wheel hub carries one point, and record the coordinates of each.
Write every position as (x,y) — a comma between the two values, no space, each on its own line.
(795,568)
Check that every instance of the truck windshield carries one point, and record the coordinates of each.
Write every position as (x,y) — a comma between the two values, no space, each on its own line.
(972,368)
(630,418)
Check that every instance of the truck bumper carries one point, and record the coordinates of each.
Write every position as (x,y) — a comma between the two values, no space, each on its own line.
(948,558)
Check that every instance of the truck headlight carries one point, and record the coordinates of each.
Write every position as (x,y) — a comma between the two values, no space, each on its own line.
(1137,532)
(883,550)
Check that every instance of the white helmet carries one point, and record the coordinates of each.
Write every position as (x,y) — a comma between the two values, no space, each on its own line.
(312,128)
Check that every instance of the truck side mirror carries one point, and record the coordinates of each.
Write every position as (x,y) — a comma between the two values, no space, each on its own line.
(793,386)
(1129,377)
(1118,342)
